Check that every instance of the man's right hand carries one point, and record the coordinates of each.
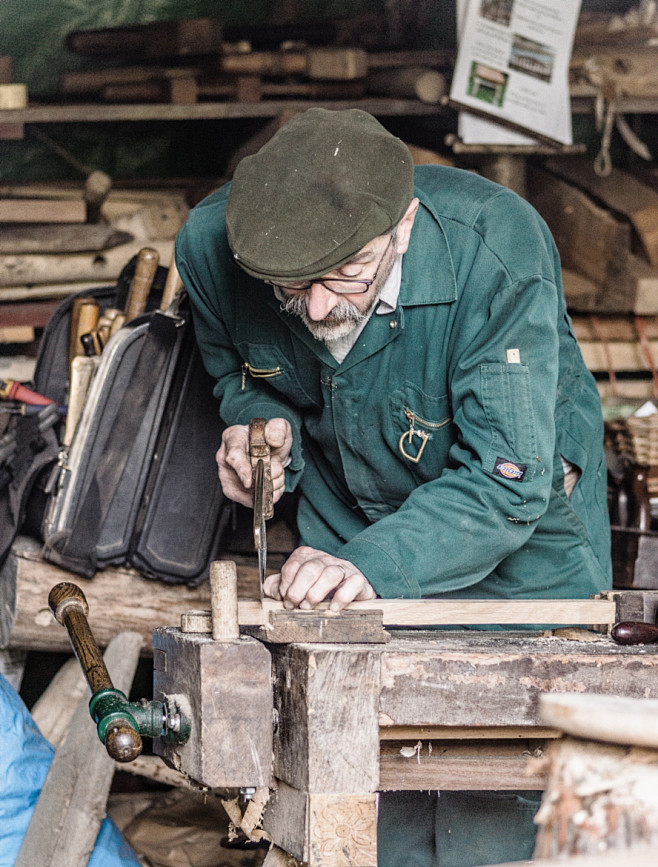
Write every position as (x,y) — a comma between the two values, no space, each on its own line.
(234,463)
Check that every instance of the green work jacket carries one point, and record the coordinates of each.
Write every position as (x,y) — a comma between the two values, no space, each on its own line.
(430,457)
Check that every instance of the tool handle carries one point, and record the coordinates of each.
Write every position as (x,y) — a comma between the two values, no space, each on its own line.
(90,319)
(11,389)
(634,632)
(140,286)
(259,450)
(82,370)
(173,285)
(69,607)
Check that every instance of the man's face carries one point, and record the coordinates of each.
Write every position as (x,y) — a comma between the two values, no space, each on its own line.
(328,315)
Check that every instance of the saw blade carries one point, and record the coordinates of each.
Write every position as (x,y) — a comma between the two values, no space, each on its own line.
(260,532)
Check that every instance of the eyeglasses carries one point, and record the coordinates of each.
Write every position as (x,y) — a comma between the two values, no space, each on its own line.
(341,286)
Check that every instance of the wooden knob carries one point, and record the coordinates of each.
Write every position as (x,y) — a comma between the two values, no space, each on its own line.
(66,595)
(634,632)
(123,743)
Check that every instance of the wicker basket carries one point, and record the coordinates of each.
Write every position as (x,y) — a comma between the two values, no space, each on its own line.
(634,438)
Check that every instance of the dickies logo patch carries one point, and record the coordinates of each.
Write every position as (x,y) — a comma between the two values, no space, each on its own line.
(509,470)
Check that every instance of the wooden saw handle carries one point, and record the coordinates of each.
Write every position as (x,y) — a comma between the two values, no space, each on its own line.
(259,450)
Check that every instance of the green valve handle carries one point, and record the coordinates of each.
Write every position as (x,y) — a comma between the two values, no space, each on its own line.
(120,723)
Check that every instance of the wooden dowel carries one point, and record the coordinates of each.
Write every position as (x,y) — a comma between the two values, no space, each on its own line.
(224,601)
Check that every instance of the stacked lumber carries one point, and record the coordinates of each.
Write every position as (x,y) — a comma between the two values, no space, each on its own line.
(606,230)
(211,68)
(56,240)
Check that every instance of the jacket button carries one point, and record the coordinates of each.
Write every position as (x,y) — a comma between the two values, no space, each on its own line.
(392,324)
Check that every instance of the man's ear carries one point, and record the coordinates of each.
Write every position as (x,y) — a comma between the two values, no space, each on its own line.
(404,227)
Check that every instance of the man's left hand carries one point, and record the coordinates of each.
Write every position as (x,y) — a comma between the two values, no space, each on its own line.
(309,576)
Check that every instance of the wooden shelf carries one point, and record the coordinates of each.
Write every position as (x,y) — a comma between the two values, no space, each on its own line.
(148,112)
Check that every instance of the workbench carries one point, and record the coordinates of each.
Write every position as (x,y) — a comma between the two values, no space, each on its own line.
(426,711)
(326,726)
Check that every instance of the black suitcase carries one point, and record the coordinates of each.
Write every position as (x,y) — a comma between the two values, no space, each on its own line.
(138,484)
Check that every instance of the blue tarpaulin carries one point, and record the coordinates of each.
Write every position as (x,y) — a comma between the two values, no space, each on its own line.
(25,757)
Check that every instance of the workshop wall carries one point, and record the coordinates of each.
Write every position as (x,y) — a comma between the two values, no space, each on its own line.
(34,35)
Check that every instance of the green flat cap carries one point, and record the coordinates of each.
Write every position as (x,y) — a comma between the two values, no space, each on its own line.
(321,189)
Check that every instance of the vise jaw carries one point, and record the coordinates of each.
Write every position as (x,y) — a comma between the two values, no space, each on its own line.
(225,689)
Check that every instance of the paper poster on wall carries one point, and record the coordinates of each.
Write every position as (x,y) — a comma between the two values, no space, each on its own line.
(513,65)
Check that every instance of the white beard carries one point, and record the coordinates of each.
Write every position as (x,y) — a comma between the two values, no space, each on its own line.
(342,319)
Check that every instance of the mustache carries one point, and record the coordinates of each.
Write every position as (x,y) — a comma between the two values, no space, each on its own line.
(343,312)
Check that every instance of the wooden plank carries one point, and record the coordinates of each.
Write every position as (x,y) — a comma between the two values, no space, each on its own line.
(324,830)
(620,192)
(30,314)
(612,328)
(42,211)
(610,719)
(185,37)
(322,692)
(52,268)
(590,239)
(488,679)
(637,856)
(26,621)
(102,113)
(17,334)
(618,354)
(60,238)
(595,245)
(430,612)
(357,627)
(471,733)
(45,290)
(435,765)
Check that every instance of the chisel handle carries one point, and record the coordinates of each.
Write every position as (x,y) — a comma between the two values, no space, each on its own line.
(84,318)
(173,285)
(634,632)
(140,286)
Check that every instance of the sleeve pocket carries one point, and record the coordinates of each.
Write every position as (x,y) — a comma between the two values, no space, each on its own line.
(507,403)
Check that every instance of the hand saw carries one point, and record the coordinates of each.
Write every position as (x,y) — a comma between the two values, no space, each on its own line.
(259,452)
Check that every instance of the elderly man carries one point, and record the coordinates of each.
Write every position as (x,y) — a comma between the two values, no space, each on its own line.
(406,335)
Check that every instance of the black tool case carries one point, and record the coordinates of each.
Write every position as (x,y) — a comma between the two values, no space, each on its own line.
(138,485)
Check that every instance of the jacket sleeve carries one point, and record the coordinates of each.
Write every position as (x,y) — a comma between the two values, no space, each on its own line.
(453,531)
(203,271)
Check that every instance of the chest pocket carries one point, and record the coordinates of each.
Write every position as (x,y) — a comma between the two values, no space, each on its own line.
(267,364)
(422,431)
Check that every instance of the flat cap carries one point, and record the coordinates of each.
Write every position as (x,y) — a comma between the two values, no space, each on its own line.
(322,188)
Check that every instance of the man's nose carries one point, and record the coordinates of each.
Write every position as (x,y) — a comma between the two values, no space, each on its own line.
(320,301)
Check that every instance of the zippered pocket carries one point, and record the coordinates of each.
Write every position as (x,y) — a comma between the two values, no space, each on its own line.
(421,428)
(258,373)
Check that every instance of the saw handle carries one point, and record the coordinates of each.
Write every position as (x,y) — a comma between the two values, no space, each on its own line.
(259,450)
(69,607)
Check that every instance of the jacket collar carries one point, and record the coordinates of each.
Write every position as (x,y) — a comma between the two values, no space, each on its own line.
(428,274)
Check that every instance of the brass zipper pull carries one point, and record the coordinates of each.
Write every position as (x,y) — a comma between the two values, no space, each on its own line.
(407,437)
